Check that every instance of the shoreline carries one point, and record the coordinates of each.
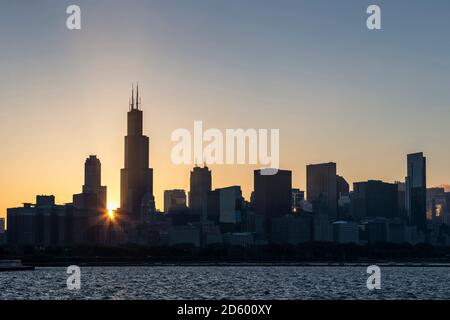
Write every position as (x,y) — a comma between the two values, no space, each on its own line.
(238,264)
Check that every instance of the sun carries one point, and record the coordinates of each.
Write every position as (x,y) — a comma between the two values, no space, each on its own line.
(111,209)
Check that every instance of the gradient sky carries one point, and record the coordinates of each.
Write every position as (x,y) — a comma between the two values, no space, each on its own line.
(337,91)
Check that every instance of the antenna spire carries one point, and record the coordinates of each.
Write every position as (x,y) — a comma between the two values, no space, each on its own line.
(132,96)
(137,96)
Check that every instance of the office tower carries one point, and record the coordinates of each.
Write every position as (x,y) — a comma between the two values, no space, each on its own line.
(213,206)
(200,185)
(272,195)
(342,186)
(292,229)
(401,199)
(297,198)
(136,178)
(446,213)
(2,225)
(231,205)
(94,194)
(374,198)
(93,180)
(174,200)
(322,229)
(321,188)
(47,224)
(416,190)
(436,203)
(225,206)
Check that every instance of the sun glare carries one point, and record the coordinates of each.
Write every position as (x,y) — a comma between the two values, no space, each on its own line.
(111,214)
(111,208)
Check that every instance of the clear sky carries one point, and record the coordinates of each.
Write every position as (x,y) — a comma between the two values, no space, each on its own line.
(337,91)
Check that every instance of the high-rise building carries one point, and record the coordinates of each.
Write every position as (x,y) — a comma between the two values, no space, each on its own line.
(47,224)
(374,198)
(136,178)
(2,225)
(174,200)
(200,185)
(225,208)
(436,203)
(231,204)
(94,194)
(298,197)
(342,186)
(416,191)
(321,188)
(401,199)
(272,195)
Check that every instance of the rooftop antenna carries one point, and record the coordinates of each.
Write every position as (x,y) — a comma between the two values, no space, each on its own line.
(132,96)
(137,96)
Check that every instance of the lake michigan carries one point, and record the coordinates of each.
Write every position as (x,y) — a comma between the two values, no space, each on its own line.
(227,282)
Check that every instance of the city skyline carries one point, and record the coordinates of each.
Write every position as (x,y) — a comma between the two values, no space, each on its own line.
(114,204)
(63,100)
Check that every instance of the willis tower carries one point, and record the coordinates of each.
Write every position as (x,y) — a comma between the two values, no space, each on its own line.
(136,178)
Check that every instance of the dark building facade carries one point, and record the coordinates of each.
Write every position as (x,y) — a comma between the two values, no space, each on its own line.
(224,208)
(374,198)
(321,188)
(272,195)
(47,224)
(416,191)
(200,185)
(136,178)
(174,200)
(94,194)
(342,186)
(292,229)
(297,197)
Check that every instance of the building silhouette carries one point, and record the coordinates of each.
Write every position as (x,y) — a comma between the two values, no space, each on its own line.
(374,198)
(272,196)
(342,187)
(136,178)
(298,196)
(174,200)
(416,191)
(225,207)
(94,194)
(321,188)
(200,185)
(2,225)
(292,229)
(45,223)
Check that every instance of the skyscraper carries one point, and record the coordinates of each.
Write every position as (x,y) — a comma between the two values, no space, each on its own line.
(272,195)
(136,178)
(200,185)
(94,194)
(2,225)
(342,186)
(174,200)
(297,198)
(371,199)
(321,188)
(416,190)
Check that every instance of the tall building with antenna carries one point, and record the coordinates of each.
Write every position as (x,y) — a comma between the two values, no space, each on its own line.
(136,178)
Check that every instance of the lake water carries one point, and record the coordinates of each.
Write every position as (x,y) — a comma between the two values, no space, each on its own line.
(230,282)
